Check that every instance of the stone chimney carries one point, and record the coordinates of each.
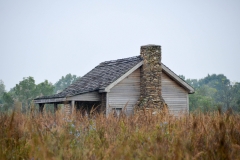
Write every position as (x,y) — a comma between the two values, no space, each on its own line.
(150,82)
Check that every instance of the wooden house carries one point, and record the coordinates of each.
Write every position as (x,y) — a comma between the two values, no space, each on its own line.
(120,83)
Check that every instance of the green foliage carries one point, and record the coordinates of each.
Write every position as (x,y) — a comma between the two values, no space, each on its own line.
(6,99)
(2,90)
(199,101)
(235,103)
(8,102)
(27,90)
(44,89)
(212,91)
(64,82)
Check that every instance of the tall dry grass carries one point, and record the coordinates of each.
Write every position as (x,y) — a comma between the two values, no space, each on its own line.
(195,136)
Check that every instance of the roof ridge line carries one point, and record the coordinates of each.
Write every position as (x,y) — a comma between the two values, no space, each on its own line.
(121,59)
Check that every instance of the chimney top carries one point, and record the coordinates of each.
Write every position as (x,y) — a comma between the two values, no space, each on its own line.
(150,45)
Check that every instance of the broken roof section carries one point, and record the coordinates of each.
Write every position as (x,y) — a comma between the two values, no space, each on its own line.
(106,73)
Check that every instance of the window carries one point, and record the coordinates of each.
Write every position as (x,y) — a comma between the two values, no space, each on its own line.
(117,111)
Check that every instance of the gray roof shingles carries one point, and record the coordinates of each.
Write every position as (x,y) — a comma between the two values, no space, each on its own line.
(99,77)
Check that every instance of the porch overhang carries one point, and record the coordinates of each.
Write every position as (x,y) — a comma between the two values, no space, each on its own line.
(50,100)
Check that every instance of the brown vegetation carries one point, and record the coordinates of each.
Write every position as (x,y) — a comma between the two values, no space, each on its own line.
(145,136)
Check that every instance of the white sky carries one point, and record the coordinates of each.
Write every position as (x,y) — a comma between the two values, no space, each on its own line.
(48,39)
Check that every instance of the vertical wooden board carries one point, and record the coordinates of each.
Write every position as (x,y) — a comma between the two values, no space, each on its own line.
(174,95)
(108,110)
(125,93)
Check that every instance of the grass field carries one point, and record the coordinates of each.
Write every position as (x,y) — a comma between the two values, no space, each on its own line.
(195,136)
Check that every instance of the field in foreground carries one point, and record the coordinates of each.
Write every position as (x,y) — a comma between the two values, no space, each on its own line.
(194,136)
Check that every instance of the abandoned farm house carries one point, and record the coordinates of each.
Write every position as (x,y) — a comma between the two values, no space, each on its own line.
(125,84)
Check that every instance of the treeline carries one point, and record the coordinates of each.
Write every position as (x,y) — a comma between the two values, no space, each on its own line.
(24,92)
(211,92)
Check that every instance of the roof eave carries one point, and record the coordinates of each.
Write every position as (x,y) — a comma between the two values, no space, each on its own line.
(178,79)
(50,100)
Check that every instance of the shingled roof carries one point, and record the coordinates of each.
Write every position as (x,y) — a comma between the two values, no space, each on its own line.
(98,78)
(106,73)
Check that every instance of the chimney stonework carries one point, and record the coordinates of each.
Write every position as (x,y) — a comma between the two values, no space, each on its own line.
(150,79)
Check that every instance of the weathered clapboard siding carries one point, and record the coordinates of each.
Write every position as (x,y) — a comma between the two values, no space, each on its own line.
(128,91)
(125,92)
(90,96)
(174,95)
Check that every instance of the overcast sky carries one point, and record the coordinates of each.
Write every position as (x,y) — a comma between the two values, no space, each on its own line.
(49,39)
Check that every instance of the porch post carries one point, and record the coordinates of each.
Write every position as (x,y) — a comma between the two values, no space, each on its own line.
(72,106)
(41,106)
(55,107)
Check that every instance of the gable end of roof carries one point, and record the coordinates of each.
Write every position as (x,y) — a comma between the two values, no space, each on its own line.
(165,69)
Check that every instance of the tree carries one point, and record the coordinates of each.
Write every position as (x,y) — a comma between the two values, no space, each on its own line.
(202,99)
(44,89)
(182,77)
(193,82)
(223,86)
(235,103)
(64,82)
(2,90)
(216,90)
(25,91)
(7,101)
